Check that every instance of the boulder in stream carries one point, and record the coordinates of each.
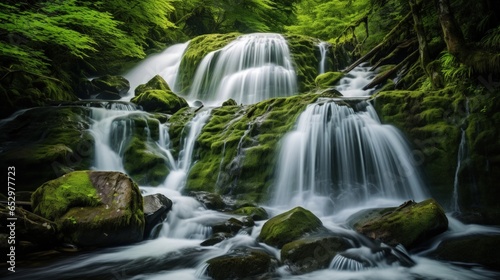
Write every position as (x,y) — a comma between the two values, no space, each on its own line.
(156,208)
(408,224)
(92,208)
(241,264)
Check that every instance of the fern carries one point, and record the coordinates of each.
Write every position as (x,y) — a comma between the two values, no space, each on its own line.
(452,69)
(492,38)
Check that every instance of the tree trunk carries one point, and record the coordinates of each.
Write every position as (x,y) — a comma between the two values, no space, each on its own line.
(421,35)
(452,33)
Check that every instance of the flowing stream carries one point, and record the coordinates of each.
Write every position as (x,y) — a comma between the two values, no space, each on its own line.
(336,161)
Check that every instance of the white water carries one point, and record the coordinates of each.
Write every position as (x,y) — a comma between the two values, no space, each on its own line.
(166,64)
(339,158)
(461,156)
(323,50)
(252,68)
(353,82)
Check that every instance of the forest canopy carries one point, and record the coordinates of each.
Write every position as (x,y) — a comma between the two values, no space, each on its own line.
(48,46)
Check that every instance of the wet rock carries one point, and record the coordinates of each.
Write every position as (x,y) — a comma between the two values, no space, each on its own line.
(312,253)
(289,226)
(161,101)
(211,201)
(216,238)
(232,225)
(157,82)
(110,85)
(241,264)
(156,208)
(256,213)
(480,249)
(92,208)
(107,95)
(229,102)
(408,224)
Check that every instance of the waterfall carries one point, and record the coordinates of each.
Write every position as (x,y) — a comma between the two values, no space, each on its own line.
(177,177)
(353,82)
(461,156)
(166,64)
(323,50)
(337,157)
(252,68)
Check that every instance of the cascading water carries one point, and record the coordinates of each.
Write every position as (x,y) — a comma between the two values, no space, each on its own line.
(353,82)
(346,157)
(166,64)
(461,156)
(252,68)
(323,50)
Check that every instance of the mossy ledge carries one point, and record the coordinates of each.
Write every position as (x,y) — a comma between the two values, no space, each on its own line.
(236,150)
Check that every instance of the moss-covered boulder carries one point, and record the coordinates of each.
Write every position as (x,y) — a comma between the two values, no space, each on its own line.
(289,226)
(237,148)
(312,253)
(241,264)
(409,224)
(92,208)
(229,102)
(328,79)
(157,82)
(163,101)
(109,85)
(305,56)
(254,212)
(480,249)
(45,143)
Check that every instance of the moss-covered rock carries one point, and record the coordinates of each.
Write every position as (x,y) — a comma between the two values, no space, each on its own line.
(289,226)
(45,143)
(305,56)
(157,82)
(328,79)
(211,201)
(162,101)
(476,249)
(408,224)
(236,150)
(241,264)
(312,253)
(109,84)
(229,102)
(254,212)
(92,208)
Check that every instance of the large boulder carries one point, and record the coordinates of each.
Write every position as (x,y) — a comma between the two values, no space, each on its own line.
(157,82)
(162,101)
(92,208)
(480,249)
(289,226)
(408,224)
(312,253)
(44,143)
(241,264)
(156,208)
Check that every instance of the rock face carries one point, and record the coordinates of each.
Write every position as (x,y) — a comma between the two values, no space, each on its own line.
(407,224)
(289,226)
(312,253)
(92,208)
(156,96)
(45,143)
(479,249)
(156,208)
(241,264)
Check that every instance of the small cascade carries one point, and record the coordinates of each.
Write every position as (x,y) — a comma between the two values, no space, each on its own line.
(177,177)
(323,50)
(461,156)
(353,82)
(166,64)
(337,157)
(252,68)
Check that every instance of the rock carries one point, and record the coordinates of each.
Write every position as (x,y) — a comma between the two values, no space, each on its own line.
(107,95)
(289,226)
(111,85)
(241,264)
(312,253)
(229,102)
(30,227)
(232,226)
(45,143)
(156,208)
(92,208)
(216,238)
(256,213)
(408,224)
(480,249)
(157,82)
(161,101)
(328,79)
(211,201)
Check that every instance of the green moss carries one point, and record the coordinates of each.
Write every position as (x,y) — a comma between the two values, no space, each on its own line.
(303,50)
(289,226)
(157,82)
(162,101)
(55,197)
(328,79)
(256,213)
(236,149)
(144,163)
